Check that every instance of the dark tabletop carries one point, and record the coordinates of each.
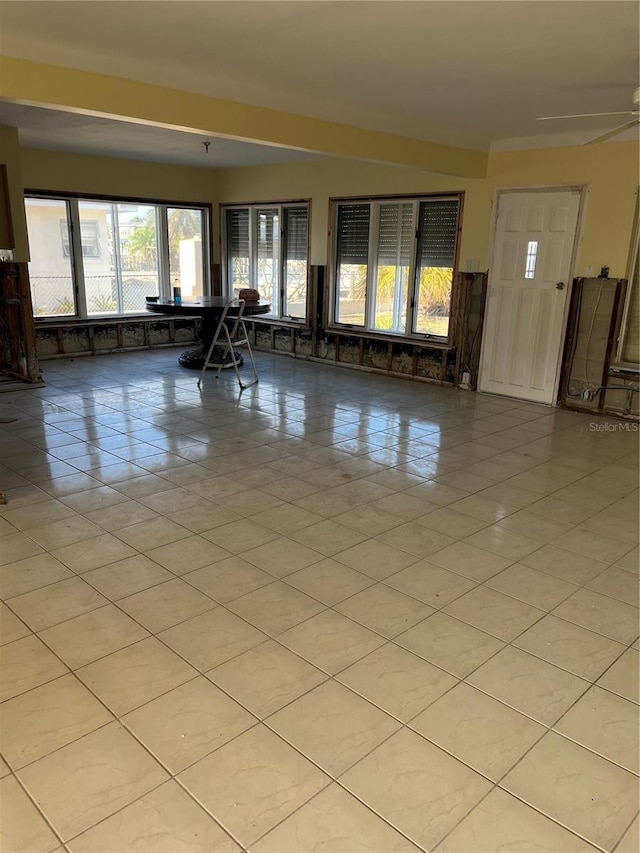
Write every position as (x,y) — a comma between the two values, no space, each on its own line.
(205,305)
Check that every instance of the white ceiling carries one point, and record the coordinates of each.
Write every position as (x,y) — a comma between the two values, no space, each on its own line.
(473,73)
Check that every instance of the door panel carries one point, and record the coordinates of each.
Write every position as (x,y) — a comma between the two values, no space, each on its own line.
(533,248)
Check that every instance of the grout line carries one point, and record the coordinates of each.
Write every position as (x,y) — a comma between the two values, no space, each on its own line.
(386,639)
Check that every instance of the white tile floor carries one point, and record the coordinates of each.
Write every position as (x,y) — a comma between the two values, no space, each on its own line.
(338,612)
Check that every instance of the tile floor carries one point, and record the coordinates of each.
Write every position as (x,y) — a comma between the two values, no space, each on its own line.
(338,612)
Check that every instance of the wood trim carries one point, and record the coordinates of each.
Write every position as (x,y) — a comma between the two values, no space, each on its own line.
(7,233)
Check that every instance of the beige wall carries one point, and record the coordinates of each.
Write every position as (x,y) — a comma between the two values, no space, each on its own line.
(610,173)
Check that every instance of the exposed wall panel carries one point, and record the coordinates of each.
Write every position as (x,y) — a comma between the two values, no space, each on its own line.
(76,340)
(589,359)
(105,338)
(99,337)
(283,340)
(158,333)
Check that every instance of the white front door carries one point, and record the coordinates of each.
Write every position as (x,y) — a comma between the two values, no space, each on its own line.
(527,293)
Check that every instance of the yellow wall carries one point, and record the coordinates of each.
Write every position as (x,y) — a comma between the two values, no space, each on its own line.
(401,165)
(58,171)
(25,81)
(610,172)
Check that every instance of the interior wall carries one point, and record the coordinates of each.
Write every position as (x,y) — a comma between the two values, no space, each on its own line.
(324,179)
(610,172)
(63,171)
(589,363)
(46,85)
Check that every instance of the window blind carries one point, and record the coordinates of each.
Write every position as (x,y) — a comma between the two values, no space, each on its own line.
(296,226)
(395,235)
(438,230)
(238,233)
(268,232)
(353,234)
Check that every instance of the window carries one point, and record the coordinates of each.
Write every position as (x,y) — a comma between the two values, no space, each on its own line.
(530,261)
(110,255)
(50,269)
(629,344)
(393,265)
(266,247)
(89,238)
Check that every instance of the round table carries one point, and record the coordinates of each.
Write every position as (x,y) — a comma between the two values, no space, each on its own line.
(210,308)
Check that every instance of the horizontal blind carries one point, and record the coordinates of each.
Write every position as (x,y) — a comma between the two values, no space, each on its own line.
(297,233)
(238,233)
(268,232)
(353,233)
(395,235)
(438,230)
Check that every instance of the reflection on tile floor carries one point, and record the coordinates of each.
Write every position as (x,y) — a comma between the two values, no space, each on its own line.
(335,612)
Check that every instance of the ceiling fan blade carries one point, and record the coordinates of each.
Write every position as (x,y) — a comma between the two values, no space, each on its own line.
(588,115)
(614,132)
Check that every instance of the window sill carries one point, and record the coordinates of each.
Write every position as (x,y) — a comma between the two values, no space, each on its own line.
(43,322)
(303,325)
(357,332)
(625,368)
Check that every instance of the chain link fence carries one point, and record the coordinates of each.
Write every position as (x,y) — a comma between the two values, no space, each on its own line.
(53,295)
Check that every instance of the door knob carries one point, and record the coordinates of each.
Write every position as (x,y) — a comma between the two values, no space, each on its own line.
(560,285)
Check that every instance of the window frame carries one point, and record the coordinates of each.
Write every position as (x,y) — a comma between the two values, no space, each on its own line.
(375,202)
(77,259)
(253,209)
(66,239)
(633,269)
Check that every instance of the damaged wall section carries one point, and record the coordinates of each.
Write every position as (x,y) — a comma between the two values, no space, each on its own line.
(54,340)
(440,363)
(591,379)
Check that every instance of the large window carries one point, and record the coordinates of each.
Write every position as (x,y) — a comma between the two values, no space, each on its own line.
(102,257)
(393,265)
(629,344)
(266,247)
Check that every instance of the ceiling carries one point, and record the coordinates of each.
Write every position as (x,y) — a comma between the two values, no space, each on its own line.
(58,130)
(471,73)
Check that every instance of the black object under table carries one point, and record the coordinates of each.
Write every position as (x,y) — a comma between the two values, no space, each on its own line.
(210,308)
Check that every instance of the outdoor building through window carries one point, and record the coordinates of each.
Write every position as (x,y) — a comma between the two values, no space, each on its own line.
(103,257)
(393,265)
(266,247)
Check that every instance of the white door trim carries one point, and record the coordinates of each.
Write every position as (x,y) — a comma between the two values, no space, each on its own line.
(583,192)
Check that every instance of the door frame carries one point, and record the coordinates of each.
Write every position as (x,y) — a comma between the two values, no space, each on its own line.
(583,191)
